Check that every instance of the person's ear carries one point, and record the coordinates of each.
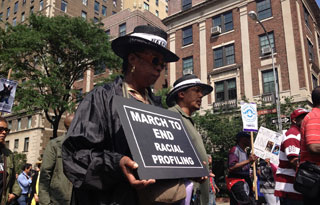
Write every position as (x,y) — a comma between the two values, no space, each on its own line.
(132,59)
(181,95)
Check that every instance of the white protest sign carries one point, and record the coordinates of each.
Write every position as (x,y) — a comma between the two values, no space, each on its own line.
(267,145)
(249,117)
(7,94)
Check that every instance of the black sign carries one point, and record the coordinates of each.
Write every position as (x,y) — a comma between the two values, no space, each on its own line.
(158,141)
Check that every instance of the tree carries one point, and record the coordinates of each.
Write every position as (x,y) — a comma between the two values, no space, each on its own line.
(52,53)
(20,160)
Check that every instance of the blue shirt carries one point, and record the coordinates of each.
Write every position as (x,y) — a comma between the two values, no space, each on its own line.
(24,182)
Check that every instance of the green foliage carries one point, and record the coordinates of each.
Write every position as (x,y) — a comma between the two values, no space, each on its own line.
(52,53)
(20,159)
(110,78)
(163,93)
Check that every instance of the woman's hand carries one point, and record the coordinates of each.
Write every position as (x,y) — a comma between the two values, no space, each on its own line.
(128,166)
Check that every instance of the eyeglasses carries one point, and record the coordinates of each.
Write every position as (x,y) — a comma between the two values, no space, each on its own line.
(152,60)
(4,129)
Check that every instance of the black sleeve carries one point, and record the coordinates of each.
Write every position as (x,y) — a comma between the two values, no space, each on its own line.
(88,161)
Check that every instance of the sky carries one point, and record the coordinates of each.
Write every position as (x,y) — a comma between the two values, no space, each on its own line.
(318,2)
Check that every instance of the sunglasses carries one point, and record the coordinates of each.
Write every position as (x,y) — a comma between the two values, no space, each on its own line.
(152,60)
(4,129)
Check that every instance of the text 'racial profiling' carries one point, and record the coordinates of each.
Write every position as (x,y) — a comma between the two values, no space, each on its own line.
(167,145)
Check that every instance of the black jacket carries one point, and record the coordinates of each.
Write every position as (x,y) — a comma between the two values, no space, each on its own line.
(94,146)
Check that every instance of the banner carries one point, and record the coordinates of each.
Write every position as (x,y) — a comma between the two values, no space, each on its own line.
(267,145)
(158,141)
(7,94)
(249,117)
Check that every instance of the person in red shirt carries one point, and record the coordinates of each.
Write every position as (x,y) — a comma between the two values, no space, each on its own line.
(310,138)
(289,156)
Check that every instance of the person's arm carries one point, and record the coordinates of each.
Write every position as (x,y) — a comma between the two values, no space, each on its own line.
(23,181)
(15,191)
(88,161)
(47,169)
(239,165)
(314,148)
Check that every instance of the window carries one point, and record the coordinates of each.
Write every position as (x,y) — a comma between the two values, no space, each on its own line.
(26,144)
(104,11)
(84,14)
(24,2)
(108,32)
(264,9)
(167,9)
(19,124)
(85,2)
(122,29)
(115,3)
(306,16)
(29,122)
(14,21)
(7,143)
(310,50)
(8,12)
(226,90)
(187,36)
(187,65)
(264,43)
(16,144)
(10,124)
(157,2)
(224,56)
(268,81)
(64,5)
(114,12)
(146,6)
(95,20)
(22,17)
(31,9)
(157,13)
(314,81)
(41,5)
(224,21)
(186,4)
(15,7)
(96,6)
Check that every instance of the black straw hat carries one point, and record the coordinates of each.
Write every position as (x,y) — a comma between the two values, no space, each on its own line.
(144,36)
(184,82)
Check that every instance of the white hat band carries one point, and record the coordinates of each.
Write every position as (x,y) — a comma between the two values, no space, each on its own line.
(190,81)
(153,38)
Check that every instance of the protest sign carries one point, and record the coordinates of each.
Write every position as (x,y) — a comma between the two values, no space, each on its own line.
(267,145)
(249,117)
(7,94)
(158,141)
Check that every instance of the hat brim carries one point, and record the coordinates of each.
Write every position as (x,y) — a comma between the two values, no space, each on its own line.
(171,97)
(121,46)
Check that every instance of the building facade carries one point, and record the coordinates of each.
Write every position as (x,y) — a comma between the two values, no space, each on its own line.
(217,41)
(158,7)
(17,11)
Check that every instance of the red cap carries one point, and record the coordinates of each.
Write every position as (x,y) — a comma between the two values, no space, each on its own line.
(297,112)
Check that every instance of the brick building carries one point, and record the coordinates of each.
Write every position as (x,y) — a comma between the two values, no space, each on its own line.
(17,11)
(217,41)
(158,7)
